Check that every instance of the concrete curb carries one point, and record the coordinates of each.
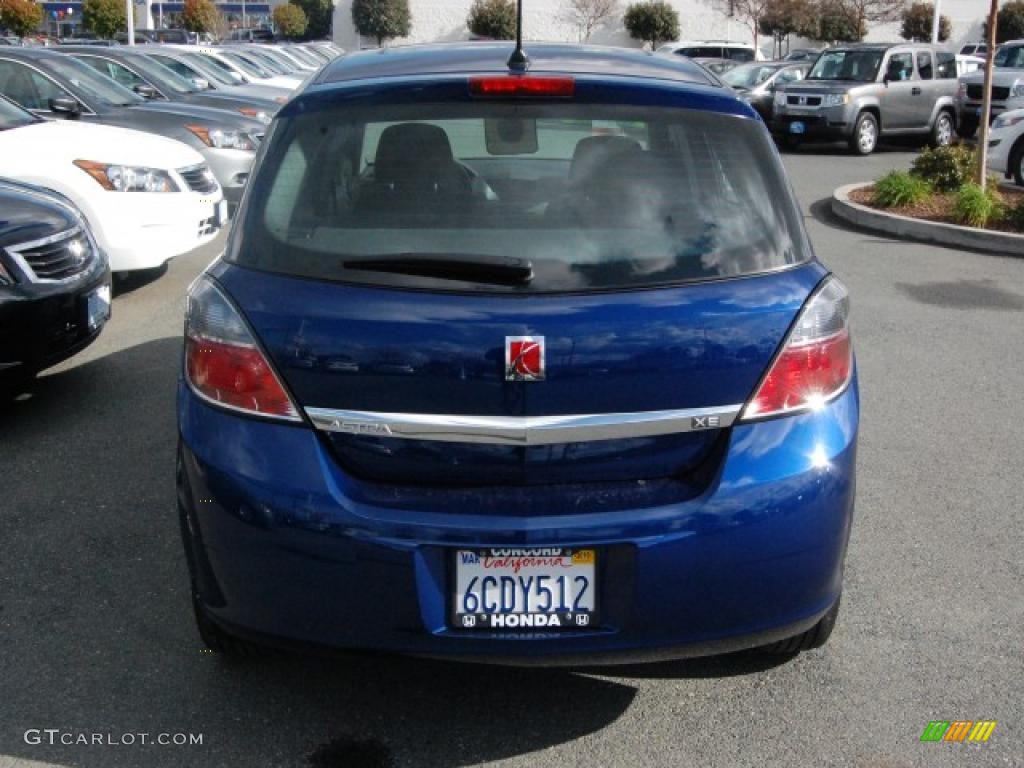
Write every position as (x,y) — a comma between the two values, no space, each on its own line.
(906,228)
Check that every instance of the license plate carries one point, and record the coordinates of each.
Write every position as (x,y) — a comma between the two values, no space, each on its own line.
(220,213)
(525,589)
(98,307)
(797,127)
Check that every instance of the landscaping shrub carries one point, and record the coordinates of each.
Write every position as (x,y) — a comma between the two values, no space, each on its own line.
(976,207)
(899,188)
(1014,216)
(652,21)
(946,168)
(494,19)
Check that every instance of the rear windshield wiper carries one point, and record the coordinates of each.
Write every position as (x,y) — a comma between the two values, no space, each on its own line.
(495,270)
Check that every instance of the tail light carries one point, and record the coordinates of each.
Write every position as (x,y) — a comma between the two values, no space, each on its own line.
(522,86)
(223,363)
(816,361)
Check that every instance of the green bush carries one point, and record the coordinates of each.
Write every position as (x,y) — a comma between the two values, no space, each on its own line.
(494,19)
(382,19)
(1014,216)
(652,21)
(899,188)
(946,168)
(976,207)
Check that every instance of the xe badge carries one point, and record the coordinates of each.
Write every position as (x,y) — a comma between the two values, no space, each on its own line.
(524,358)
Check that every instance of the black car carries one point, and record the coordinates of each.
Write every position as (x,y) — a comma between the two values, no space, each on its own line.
(54,281)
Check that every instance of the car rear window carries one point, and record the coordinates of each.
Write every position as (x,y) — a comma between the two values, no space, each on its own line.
(591,197)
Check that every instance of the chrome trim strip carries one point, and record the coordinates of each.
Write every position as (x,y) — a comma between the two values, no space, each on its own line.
(522,430)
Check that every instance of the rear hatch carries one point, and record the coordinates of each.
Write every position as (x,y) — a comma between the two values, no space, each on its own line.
(389,259)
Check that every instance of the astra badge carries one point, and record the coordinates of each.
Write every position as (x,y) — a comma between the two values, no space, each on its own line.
(524,358)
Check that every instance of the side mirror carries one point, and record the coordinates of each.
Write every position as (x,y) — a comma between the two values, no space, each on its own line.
(146,91)
(237,77)
(201,83)
(65,105)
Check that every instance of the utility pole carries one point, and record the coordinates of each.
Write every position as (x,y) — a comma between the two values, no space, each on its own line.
(935,22)
(129,15)
(986,102)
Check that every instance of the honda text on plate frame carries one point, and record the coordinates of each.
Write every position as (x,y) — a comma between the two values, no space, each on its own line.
(523,367)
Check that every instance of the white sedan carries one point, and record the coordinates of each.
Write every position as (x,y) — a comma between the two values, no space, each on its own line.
(146,198)
(242,70)
(1006,145)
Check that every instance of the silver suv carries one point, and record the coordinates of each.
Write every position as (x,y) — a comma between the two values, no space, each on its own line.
(857,93)
(1007,87)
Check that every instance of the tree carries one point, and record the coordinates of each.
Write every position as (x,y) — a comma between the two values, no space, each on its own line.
(835,22)
(495,19)
(917,23)
(290,20)
(382,19)
(652,21)
(1009,22)
(783,18)
(587,15)
(750,12)
(319,15)
(861,12)
(104,17)
(20,16)
(199,16)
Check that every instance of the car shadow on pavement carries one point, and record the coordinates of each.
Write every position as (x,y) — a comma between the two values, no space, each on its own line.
(97,636)
(126,282)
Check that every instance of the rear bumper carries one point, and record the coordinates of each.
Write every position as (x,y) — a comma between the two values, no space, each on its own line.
(284,546)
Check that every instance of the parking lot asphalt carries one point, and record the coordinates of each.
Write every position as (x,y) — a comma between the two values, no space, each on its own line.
(96,634)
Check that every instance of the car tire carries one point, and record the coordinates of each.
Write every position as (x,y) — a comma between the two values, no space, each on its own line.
(1017,164)
(865,134)
(967,127)
(942,131)
(815,637)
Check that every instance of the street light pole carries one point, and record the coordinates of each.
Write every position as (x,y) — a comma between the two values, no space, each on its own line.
(935,22)
(129,15)
(986,101)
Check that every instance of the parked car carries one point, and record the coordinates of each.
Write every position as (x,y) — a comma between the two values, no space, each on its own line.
(1007,87)
(974,49)
(510,365)
(54,281)
(966,64)
(251,35)
(718,66)
(146,199)
(757,82)
(1006,145)
(203,74)
(713,49)
(245,70)
(802,54)
(59,86)
(152,80)
(858,93)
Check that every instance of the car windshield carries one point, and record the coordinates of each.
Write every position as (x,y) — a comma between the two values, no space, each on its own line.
(209,68)
(13,116)
(160,74)
(859,66)
(88,84)
(578,197)
(1009,57)
(269,62)
(749,75)
(247,65)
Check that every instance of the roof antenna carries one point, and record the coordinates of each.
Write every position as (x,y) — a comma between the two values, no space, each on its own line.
(519,61)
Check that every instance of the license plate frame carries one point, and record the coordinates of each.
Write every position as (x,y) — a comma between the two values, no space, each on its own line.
(568,609)
(220,213)
(97,307)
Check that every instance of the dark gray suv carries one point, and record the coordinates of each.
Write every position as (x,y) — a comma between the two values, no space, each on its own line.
(857,93)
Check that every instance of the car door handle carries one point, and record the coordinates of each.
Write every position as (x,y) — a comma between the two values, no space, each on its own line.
(915,91)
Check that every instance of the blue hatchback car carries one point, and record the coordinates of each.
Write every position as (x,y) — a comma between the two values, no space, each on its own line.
(531,364)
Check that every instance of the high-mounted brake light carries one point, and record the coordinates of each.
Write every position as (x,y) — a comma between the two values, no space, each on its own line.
(223,363)
(522,87)
(816,361)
